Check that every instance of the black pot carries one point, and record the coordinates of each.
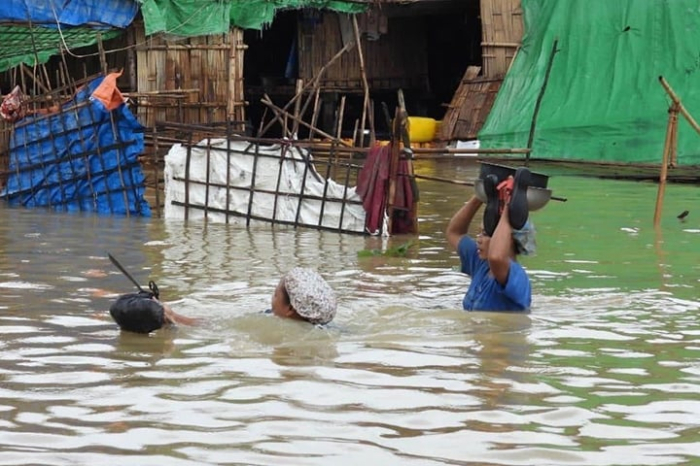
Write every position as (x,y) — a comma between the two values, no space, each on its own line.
(502,172)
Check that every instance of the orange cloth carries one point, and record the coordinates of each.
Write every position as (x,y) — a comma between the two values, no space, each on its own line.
(108,93)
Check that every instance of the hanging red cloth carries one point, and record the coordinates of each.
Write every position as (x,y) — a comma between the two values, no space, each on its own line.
(372,184)
(402,221)
(373,188)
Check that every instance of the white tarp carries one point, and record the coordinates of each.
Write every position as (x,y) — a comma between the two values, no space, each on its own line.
(249,188)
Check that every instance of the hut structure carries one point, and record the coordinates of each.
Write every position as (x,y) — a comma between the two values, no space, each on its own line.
(297,69)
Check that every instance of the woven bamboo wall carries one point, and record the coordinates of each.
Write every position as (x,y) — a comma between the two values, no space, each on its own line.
(502,30)
(470,106)
(193,80)
(397,59)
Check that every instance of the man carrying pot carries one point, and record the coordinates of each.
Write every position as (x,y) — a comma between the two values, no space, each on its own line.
(499,282)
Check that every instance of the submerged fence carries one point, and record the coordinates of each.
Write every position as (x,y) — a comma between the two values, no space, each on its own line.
(232,178)
(82,155)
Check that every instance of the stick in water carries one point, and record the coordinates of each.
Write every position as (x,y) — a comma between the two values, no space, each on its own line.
(126,274)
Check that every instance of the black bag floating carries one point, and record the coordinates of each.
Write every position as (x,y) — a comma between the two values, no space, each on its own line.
(137,312)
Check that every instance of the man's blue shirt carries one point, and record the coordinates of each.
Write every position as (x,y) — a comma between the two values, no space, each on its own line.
(485,293)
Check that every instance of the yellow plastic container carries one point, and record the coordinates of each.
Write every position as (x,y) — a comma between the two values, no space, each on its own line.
(421,129)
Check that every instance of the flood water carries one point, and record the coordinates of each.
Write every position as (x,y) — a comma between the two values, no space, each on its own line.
(605,370)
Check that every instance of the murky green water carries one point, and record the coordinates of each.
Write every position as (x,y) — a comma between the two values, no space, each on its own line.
(604,371)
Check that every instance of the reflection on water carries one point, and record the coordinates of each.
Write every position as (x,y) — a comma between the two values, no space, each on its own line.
(603,371)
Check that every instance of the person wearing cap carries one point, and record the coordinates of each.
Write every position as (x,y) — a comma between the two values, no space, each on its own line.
(303,294)
(498,281)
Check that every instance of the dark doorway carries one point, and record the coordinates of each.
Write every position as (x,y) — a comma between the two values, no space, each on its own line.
(452,32)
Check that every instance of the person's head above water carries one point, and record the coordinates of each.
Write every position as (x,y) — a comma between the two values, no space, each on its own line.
(143,313)
(303,294)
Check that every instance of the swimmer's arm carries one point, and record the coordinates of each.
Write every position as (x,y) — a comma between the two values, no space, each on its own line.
(175,318)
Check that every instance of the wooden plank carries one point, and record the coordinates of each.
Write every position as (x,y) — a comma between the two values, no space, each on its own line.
(455,107)
(474,105)
(400,54)
(502,31)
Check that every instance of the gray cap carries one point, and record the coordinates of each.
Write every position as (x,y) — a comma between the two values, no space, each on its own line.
(310,295)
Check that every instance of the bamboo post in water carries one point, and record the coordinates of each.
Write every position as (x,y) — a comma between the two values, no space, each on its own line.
(671,144)
(669,149)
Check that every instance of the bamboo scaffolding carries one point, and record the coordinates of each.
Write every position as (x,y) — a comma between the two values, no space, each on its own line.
(670,153)
(281,111)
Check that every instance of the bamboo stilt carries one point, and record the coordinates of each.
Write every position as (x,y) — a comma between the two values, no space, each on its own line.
(669,148)
(365,85)
(354,132)
(297,107)
(103,57)
(314,115)
(393,170)
(338,133)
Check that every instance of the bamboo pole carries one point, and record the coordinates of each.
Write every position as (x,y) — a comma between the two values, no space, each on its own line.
(393,170)
(103,57)
(297,107)
(538,103)
(454,150)
(354,132)
(372,132)
(365,85)
(314,115)
(341,114)
(678,102)
(286,114)
(277,116)
(673,154)
(339,134)
(231,78)
(669,147)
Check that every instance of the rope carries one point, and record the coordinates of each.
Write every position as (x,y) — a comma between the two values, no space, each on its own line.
(72,54)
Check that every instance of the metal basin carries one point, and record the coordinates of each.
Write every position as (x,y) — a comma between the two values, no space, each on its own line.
(502,172)
(536,197)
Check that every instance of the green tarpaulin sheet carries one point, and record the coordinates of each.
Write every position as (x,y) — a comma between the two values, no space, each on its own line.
(603,100)
(201,17)
(255,14)
(35,45)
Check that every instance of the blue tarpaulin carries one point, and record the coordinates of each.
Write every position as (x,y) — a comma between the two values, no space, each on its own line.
(83,158)
(112,13)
